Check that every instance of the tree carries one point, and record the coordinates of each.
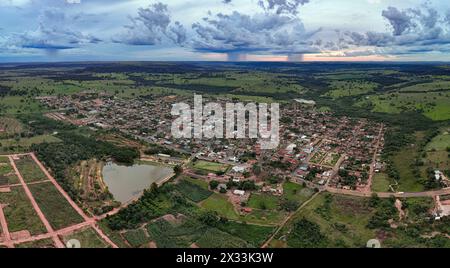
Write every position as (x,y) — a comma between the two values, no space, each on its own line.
(213,184)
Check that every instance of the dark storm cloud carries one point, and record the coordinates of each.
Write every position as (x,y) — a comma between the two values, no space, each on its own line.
(53,32)
(153,26)
(267,32)
(414,30)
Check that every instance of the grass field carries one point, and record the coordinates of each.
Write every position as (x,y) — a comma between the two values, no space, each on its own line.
(88,238)
(43,243)
(337,221)
(7,174)
(440,142)
(381,183)
(221,205)
(9,126)
(192,191)
(296,192)
(253,234)
(55,207)
(19,212)
(433,105)
(210,166)
(23,144)
(29,170)
(341,89)
(263,201)
(136,238)
(189,232)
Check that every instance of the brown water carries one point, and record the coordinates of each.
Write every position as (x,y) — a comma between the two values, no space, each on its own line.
(128,182)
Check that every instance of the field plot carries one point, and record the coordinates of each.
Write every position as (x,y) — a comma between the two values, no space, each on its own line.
(88,238)
(24,144)
(296,192)
(381,182)
(341,89)
(263,201)
(19,212)
(7,174)
(55,207)
(210,167)
(191,233)
(29,170)
(330,222)
(136,238)
(9,126)
(192,191)
(433,105)
(220,204)
(44,243)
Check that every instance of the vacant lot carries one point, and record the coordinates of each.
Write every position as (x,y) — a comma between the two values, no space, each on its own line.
(221,205)
(44,243)
(29,170)
(19,212)
(335,216)
(263,201)
(55,207)
(7,174)
(192,191)
(88,238)
(381,182)
(296,192)
(210,166)
(191,232)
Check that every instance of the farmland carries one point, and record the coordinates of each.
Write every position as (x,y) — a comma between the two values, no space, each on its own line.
(20,213)
(58,211)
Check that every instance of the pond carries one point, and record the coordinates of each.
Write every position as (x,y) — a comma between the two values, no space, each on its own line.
(128,182)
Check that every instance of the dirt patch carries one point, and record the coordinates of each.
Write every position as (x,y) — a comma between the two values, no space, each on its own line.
(5,190)
(194,246)
(350,206)
(20,235)
(152,244)
(398,205)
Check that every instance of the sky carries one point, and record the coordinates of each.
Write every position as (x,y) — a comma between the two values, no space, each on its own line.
(224,30)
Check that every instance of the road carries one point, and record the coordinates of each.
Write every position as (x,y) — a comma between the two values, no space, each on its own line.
(51,233)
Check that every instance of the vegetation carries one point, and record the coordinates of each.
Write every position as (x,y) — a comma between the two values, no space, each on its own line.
(55,207)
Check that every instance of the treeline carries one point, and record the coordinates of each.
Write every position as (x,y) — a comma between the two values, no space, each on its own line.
(74,148)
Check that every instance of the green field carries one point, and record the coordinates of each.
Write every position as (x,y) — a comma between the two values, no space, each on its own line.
(29,170)
(381,183)
(341,89)
(191,232)
(440,142)
(433,105)
(19,212)
(55,207)
(24,144)
(296,192)
(9,126)
(220,204)
(263,201)
(192,191)
(210,166)
(336,220)
(136,238)
(88,238)
(43,243)
(7,174)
